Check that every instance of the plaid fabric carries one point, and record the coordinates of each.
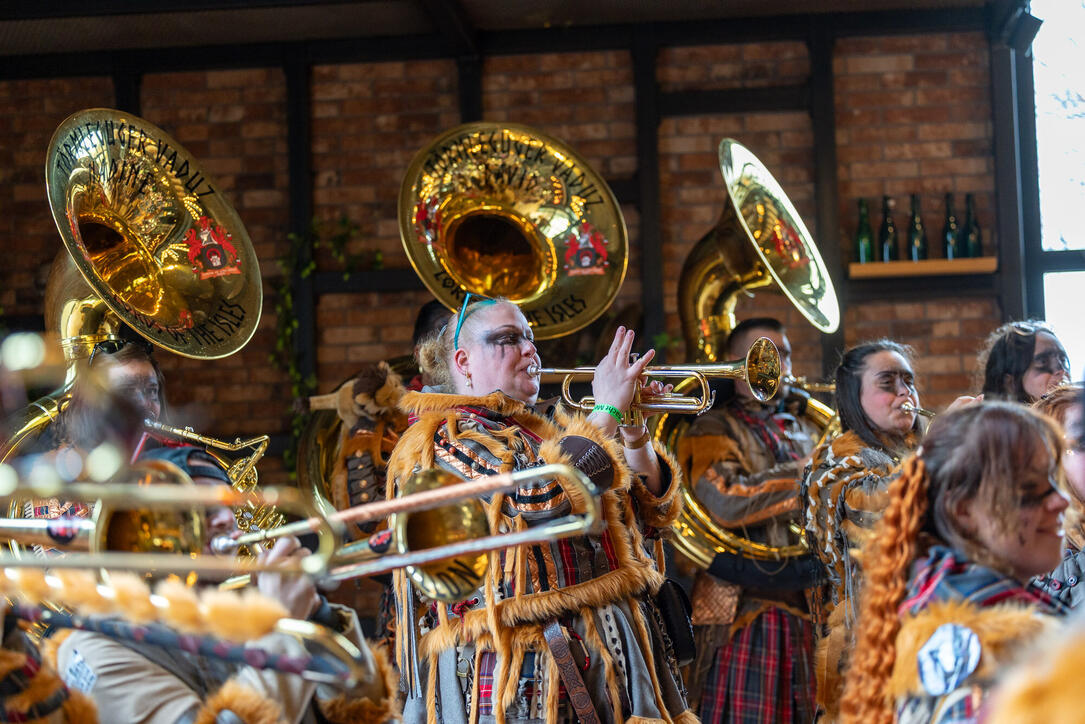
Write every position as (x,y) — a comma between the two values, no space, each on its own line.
(763,674)
(946,575)
(529,694)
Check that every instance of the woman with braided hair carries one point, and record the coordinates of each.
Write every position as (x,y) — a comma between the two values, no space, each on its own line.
(946,602)
(844,486)
(562,630)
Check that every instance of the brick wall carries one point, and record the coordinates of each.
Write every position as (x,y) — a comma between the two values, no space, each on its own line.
(722,67)
(946,335)
(30,110)
(234,123)
(913,115)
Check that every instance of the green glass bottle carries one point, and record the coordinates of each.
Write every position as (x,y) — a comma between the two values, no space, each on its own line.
(970,239)
(887,234)
(864,236)
(950,249)
(917,235)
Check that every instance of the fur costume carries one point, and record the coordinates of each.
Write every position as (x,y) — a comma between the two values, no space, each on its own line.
(598,586)
(37,694)
(844,493)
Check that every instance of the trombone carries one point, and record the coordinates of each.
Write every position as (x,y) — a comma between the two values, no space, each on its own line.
(760,369)
(463,529)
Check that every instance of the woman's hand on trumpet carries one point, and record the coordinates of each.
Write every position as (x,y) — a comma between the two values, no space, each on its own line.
(295,591)
(616,377)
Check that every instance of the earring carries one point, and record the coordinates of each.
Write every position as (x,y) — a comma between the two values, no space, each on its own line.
(468,379)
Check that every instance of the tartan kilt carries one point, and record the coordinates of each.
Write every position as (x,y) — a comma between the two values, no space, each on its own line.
(764,673)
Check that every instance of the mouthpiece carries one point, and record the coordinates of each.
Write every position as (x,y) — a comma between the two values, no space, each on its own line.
(223,544)
(534,370)
(909,407)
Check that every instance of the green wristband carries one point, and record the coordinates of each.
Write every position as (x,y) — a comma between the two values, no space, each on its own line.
(610,410)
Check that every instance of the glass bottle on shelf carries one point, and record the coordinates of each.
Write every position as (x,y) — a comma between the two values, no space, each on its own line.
(864,236)
(917,235)
(970,238)
(887,234)
(950,248)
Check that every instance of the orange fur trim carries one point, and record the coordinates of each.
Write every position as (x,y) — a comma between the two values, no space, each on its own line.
(660,511)
(422,402)
(697,453)
(1002,630)
(687,717)
(251,707)
(364,710)
(50,647)
(828,657)
(79,709)
(1044,688)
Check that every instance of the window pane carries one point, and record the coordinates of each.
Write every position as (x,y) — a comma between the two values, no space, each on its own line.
(1063,295)
(1060,120)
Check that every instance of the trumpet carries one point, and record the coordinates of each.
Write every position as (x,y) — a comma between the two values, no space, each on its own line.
(462,530)
(809,386)
(760,369)
(909,407)
(241,472)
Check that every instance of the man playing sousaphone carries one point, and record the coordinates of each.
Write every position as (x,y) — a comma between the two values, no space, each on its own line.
(744,459)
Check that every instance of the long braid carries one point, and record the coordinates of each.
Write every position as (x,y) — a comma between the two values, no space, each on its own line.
(886,562)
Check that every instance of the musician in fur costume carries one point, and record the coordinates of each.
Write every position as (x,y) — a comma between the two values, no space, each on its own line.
(489,658)
(844,491)
(947,603)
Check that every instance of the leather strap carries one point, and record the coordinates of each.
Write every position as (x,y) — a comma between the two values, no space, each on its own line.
(570,673)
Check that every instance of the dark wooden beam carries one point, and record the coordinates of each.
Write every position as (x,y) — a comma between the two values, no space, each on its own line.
(1009,220)
(299,162)
(646,92)
(126,86)
(736,100)
(450,20)
(823,122)
(384,280)
(469,77)
(18,10)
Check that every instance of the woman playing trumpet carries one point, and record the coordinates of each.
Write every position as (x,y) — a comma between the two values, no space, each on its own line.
(576,612)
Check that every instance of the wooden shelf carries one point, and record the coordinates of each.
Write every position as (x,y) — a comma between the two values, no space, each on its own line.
(924,268)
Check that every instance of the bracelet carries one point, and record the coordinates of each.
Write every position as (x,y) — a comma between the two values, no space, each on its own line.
(640,442)
(610,410)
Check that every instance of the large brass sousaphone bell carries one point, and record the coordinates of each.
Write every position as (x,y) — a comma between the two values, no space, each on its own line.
(503,210)
(759,242)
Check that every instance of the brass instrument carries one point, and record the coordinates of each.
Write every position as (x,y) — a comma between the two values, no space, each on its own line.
(909,407)
(759,242)
(760,369)
(241,472)
(149,242)
(502,210)
(808,385)
(442,545)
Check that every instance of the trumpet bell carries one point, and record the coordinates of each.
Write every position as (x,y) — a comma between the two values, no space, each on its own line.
(502,210)
(152,235)
(451,579)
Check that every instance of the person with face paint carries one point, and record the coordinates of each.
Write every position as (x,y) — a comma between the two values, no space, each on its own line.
(843,490)
(947,603)
(1022,361)
(564,630)
(745,457)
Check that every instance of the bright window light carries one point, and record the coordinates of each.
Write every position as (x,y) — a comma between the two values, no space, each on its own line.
(1063,295)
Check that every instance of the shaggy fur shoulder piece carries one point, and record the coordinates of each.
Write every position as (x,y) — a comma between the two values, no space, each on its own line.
(1002,631)
(359,710)
(249,706)
(846,444)
(1045,686)
(660,511)
(421,402)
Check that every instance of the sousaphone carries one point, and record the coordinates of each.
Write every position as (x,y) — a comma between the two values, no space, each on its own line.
(149,242)
(759,243)
(502,210)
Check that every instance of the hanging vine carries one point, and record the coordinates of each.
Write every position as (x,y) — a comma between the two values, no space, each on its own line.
(335,236)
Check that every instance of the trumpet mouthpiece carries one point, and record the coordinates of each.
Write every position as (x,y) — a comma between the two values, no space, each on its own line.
(534,370)
(223,544)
